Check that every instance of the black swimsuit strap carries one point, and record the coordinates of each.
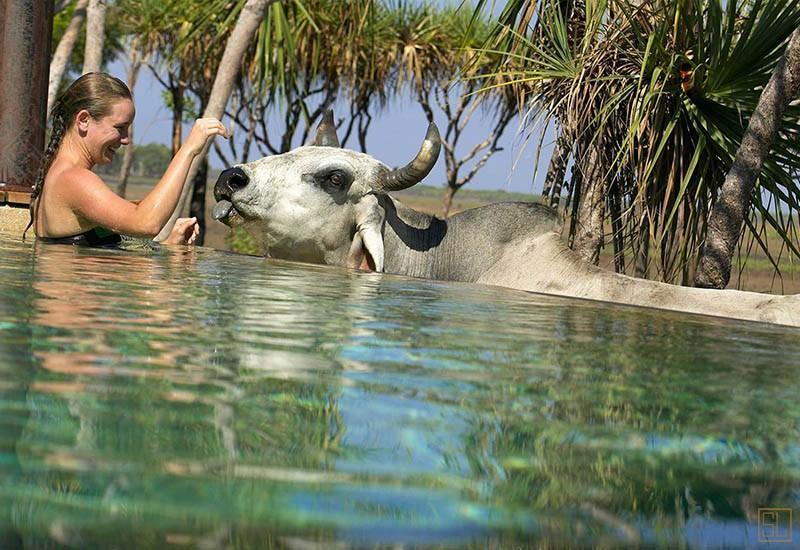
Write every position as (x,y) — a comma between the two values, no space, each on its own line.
(93,237)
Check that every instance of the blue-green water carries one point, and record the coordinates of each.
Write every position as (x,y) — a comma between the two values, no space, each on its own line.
(154,398)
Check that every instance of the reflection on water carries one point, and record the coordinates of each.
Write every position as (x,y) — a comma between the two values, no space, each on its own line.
(201,398)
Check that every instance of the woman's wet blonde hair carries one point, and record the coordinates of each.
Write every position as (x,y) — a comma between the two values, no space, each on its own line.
(95,92)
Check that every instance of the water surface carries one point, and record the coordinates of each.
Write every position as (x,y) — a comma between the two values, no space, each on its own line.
(192,397)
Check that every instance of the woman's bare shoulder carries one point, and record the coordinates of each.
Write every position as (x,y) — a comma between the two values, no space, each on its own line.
(76,182)
(74,175)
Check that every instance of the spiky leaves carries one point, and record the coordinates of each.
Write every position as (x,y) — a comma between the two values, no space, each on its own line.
(667,88)
(725,223)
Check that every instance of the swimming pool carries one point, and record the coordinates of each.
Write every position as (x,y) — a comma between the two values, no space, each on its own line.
(195,397)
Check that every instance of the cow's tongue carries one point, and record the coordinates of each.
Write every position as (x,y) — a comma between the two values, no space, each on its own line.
(222,209)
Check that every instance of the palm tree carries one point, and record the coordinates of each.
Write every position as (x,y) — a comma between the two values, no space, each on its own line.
(655,99)
(435,47)
(250,16)
(298,46)
(338,53)
(725,223)
(185,42)
(186,39)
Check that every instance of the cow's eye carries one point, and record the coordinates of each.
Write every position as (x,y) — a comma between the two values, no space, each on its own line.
(331,178)
(339,178)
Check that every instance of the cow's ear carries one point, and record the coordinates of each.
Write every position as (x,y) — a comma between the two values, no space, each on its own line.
(368,241)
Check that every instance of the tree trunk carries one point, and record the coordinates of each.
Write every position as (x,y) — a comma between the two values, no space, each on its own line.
(447,201)
(557,169)
(64,51)
(249,19)
(727,214)
(643,252)
(591,208)
(177,115)
(61,5)
(572,200)
(618,238)
(197,208)
(95,36)
(127,159)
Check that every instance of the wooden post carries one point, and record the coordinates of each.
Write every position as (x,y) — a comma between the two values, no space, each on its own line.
(25,34)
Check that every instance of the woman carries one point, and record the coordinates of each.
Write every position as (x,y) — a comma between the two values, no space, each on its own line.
(71,204)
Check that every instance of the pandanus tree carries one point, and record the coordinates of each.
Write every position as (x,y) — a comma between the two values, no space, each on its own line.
(437,58)
(159,32)
(241,20)
(338,58)
(651,101)
(198,43)
(727,215)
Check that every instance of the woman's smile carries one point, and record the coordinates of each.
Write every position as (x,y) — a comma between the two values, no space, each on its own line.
(114,128)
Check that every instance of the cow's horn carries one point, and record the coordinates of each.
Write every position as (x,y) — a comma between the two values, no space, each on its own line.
(414,171)
(326,131)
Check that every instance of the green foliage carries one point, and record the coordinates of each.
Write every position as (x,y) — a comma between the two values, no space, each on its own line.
(191,111)
(242,242)
(182,38)
(665,89)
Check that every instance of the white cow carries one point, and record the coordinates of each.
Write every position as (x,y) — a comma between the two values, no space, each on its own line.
(323,204)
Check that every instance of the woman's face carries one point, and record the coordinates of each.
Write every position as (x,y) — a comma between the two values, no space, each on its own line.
(105,135)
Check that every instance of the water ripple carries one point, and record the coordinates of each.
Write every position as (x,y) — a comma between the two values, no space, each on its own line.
(191,395)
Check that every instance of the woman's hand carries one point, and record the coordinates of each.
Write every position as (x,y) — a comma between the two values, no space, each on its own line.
(185,231)
(204,129)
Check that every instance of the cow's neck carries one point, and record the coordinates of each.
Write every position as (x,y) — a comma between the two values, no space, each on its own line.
(415,244)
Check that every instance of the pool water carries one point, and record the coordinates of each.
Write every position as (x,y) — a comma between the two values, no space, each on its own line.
(196,398)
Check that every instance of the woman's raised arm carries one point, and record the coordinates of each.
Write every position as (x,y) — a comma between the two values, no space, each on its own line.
(87,195)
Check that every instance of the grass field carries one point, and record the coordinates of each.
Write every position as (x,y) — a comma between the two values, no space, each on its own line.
(758,274)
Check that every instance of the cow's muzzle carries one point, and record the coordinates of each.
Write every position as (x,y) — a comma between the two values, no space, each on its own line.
(228,182)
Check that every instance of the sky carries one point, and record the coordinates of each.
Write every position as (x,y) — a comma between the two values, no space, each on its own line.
(394,138)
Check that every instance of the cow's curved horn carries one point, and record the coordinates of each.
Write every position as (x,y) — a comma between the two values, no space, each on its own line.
(414,171)
(326,131)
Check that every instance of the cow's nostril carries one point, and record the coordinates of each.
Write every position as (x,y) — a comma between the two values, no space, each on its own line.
(238,179)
